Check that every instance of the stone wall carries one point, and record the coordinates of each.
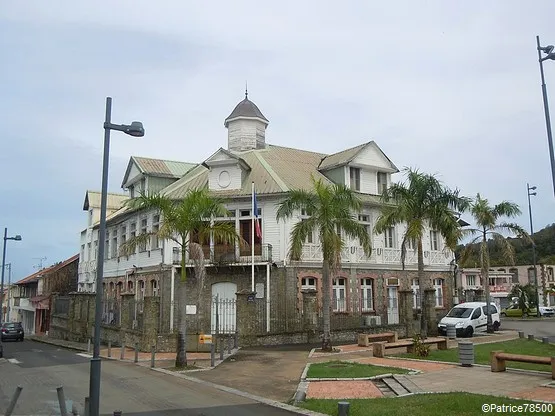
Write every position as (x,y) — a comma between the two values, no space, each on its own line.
(78,324)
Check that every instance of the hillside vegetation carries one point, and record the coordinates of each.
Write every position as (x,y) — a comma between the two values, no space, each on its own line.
(545,251)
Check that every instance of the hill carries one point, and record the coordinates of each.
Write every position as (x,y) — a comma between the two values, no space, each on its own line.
(545,250)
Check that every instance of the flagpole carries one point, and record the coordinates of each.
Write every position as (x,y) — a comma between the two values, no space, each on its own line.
(252,237)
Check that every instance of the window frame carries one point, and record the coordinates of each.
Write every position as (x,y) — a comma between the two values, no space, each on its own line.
(366,303)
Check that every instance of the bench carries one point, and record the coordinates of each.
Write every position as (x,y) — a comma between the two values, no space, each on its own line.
(380,347)
(498,358)
(364,340)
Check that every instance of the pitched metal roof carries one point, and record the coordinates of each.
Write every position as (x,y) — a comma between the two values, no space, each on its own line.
(157,167)
(274,170)
(245,108)
(114,201)
(348,155)
(47,270)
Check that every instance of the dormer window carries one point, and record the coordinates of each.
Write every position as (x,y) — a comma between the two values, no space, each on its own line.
(382,182)
(355,178)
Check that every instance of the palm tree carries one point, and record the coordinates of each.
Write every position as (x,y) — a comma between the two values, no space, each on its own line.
(331,210)
(189,223)
(420,203)
(487,219)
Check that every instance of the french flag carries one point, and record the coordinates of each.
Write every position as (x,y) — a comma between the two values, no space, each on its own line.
(257,228)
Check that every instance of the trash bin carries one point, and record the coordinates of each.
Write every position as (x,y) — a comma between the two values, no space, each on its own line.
(451,331)
(466,353)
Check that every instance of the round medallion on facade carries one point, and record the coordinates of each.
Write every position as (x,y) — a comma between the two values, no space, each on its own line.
(224,179)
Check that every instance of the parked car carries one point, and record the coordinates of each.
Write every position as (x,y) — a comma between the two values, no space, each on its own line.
(470,318)
(547,310)
(514,311)
(12,330)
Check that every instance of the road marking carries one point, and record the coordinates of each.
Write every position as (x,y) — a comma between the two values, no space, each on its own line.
(14,361)
(82,354)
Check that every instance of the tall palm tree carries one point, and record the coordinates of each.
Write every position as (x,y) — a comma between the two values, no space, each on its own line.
(487,219)
(421,203)
(182,221)
(331,210)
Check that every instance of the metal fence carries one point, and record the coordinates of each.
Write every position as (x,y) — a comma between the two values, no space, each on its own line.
(281,315)
(111,312)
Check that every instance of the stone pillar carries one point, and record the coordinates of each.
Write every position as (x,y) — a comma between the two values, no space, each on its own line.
(151,322)
(246,317)
(127,306)
(405,312)
(310,314)
(429,310)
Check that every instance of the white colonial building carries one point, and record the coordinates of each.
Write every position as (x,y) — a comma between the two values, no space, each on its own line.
(229,173)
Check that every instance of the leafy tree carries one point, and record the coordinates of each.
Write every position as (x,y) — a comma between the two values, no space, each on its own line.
(332,210)
(421,203)
(525,295)
(487,219)
(187,222)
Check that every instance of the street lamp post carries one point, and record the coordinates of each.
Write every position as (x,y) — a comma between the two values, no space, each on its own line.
(6,238)
(530,193)
(548,50)
(134,129)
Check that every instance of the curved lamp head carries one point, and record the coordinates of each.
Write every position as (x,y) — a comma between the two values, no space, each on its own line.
(547,49)
(532,188)
(135,129)
(17,238)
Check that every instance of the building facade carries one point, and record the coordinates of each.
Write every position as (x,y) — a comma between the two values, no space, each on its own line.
(365,285)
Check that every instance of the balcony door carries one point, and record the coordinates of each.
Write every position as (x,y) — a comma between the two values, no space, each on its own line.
(245,229)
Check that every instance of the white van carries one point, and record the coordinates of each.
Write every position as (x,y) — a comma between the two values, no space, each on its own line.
(469,318)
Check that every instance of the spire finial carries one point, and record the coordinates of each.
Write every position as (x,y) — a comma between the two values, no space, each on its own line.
(246,91)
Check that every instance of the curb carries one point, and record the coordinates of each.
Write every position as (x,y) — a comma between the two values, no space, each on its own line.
(57,344)
(273,403)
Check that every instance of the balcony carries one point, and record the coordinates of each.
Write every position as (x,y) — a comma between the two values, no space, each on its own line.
(226,254)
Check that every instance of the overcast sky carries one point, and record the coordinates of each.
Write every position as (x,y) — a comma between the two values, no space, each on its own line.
(451,88)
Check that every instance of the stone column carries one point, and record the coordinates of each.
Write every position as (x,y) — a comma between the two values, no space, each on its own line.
(151,322)
(405,312)
(127,306)
(310,314)
(429,310)
(246,317)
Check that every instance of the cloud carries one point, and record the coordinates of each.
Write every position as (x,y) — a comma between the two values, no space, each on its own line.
(451,88)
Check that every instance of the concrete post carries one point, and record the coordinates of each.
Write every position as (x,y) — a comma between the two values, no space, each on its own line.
(229,344)
(13,402)
(212,353)
(245,311)
(531,337)
(405,311)
(62,400)
(545,340)
(222,347)
(109,349)
(521,334)
(136,360)
(152,356)
(310,315)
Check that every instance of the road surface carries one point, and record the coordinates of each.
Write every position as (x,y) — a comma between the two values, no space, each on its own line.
(40,368)
(538,328)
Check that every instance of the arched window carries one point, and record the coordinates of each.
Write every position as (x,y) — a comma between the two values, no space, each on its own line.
(438,286)
(339,301)
(367,294)
(154,287)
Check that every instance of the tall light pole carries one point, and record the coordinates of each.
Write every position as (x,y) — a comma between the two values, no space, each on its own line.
(6,238)
(9,266)
(530,193)
(134,129)
(548,50)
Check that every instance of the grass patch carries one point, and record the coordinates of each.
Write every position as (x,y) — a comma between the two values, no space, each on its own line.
(345,369)
(437,404)
(482,353)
